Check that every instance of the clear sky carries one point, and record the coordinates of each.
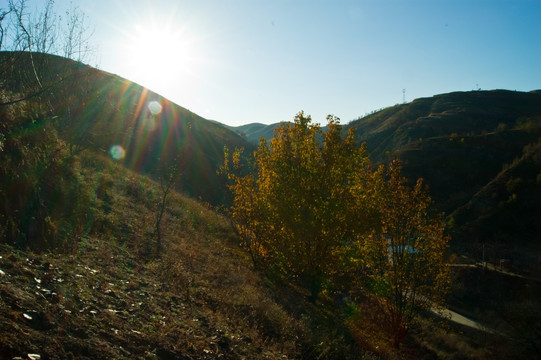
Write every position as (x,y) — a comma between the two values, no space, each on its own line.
(241,61)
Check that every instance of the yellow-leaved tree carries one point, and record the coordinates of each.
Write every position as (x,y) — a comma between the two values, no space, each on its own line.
(296,209)
(405,265)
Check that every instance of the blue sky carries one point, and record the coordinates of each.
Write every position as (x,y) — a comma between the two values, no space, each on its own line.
(240,61)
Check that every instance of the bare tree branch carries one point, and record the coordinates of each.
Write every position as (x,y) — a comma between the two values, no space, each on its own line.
(20,11)
(25,35)
(3,16)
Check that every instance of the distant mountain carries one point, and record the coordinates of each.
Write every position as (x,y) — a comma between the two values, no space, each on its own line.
(254,132)
(469,147)
(97,110)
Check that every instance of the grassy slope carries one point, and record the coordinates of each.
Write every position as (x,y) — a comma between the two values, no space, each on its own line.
(108,298)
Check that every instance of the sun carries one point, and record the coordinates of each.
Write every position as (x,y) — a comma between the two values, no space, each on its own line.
(158,54)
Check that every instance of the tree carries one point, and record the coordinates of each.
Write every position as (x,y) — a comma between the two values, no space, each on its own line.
(405,264)
(24,39)
(167,181)
(77,34)
(47,32)
(294,210)
(44,203)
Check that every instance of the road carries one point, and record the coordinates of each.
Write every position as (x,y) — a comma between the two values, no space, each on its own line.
(462,320)
(492,267)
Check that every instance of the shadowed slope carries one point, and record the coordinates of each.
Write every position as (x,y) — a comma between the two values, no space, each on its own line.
(459,143)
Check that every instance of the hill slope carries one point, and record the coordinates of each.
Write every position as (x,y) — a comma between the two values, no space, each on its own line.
(461,113)
(460,143)
(505,213)
(96,110)
(108,296)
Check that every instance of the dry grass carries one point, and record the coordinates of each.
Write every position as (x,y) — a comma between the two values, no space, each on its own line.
(113,296)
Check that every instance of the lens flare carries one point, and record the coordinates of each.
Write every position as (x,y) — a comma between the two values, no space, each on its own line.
(154,107)
(117,152)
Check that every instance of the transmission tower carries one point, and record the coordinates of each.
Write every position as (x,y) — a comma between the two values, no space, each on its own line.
(403,96)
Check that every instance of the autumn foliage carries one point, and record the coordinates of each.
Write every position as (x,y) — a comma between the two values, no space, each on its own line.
(312,209)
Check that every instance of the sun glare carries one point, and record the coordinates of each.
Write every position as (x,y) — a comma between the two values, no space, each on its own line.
(158,54)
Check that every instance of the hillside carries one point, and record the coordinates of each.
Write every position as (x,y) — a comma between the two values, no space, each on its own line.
(461,113)
(96,110)
(460,143)
(108,295)
(504,214)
